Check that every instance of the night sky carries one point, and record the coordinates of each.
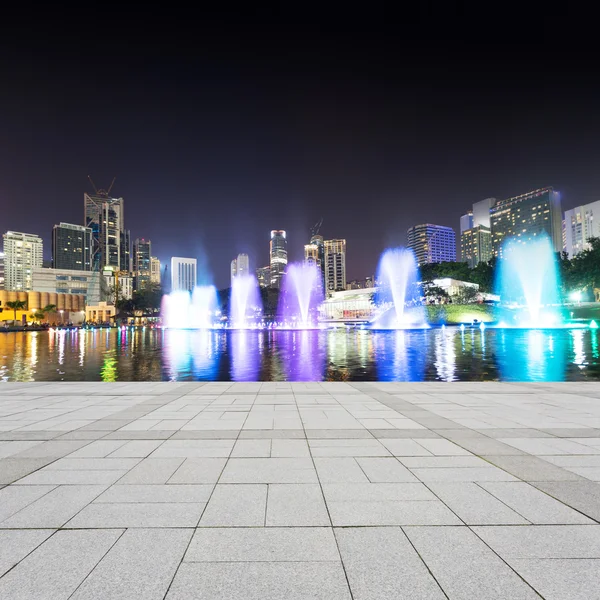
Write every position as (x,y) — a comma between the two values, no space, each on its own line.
(219,129)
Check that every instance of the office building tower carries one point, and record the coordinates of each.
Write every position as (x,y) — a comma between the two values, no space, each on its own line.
(263,275)
(22,253)
(311,255)
(72,247)
(466,221)
(183,273)
(69,282)
(119,285)
(335,265)
(240,266)
(527,217)
(476,246)
(581,223)
(111,242)
(142,256)
(1,270)
(155,270)
(432,243)
(278,254)
(481,212)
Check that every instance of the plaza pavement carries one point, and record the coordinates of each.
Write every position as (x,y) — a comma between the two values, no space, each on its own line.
(305,490)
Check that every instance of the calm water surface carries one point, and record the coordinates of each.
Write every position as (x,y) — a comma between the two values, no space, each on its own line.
(360,355)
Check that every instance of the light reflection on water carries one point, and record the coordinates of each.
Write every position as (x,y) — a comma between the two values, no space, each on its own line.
(447,354)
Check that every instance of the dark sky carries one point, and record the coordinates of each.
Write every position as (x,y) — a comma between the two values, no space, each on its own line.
(223,127)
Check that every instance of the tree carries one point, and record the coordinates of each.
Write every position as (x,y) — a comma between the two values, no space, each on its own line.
(583,270)
(49,309)
(16,305)
(483,275)
(38,315)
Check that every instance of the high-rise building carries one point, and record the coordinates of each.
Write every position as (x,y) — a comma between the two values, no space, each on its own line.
(476,245)
(335,265)
(311,255)
(278,253)
(466,221)
(1,270)
(69,282)
(119,285)
(22,253)
(240,266)
(183,273)
(154,270)
(581,224)
(263,275)
(526,217)
(72,247)
(432,243)
(141,267)
(111,242)
(475,233)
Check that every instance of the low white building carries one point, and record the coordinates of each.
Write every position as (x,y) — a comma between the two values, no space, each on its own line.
(102,312)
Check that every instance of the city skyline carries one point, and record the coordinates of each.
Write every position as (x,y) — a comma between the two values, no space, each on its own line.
(248,128)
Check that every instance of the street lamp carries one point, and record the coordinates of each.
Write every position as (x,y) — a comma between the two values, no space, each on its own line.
(61,317)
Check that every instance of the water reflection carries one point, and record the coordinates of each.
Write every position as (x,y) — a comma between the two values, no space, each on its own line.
(401,355)
(446,354)
(245,354)
(533,355)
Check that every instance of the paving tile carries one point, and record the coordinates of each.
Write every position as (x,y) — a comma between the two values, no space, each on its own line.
(536,506)
(474,505)
(135,448)
(236,506)
(260,581)
(399,447)
(157,493)
(198,471)
(339,470)
(55,508)
(296,505)
(97,449)
(556,579)
(139,514)
(16,497)
(252,449)
(583,495)
(58,566)
(12,469)
(289,448)
(271,544)
(548,541)
(464,566)
(15,545)
(385,469)
(442,447)
(269,470)
(531,468)
(381,564)
(81,477)
(141,565)
(152,470)
(443,461)
(458,474)
(92,464)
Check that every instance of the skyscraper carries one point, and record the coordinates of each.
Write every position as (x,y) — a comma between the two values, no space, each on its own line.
(432,243)
(526,217)
(581,223)
(278,253)
(71,247)
(475,233)
(154,270)
(335,265)
(314,253)
(141,267)
(111,242)
(22,253)
(1,270)
(263,275)
(240,266)
(183,273)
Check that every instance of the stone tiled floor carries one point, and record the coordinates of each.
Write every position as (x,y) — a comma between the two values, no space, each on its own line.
(290,491)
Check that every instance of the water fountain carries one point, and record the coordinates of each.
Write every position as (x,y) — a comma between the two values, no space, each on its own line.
(301,294)
(528,283)
(182,310)
(245,302)
(399,295)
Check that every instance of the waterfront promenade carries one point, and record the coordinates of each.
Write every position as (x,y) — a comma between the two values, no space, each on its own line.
(272,491)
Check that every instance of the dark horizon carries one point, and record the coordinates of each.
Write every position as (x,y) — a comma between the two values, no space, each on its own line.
(219,131)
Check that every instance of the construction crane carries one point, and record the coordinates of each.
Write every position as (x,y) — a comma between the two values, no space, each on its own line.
(314,230)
